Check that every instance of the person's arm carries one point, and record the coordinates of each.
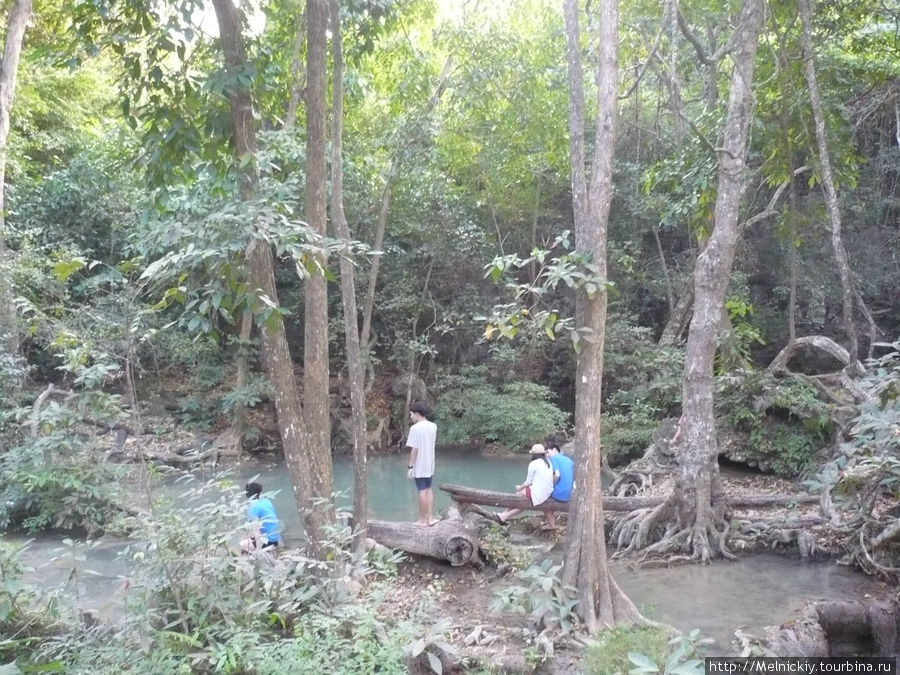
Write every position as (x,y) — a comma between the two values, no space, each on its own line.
(413,452)
(529,479)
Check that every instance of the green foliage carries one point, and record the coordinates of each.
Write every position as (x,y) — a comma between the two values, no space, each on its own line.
(205,608)
(513,414)
(497,549)
(646,383)
(785,421)
(26,614)
(53,479)
(734,344)
(637,650)
(541,595)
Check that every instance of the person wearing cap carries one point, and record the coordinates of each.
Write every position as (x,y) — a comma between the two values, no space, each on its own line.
(538,482)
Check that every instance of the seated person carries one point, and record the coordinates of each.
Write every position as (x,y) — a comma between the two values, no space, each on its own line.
(563,478)
(538,483)
(261,513)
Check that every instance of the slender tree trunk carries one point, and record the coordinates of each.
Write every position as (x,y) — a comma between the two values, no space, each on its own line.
(831,198)
(792,261)
(315,350)
(600,601)
(369,306)
(670,294)
(302,458)
(16,25)
(380,228)
(298,80)
(698,480)
(348,293)
(242,375)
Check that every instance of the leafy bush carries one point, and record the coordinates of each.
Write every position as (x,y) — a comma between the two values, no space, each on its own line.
(53,479)
(202,607)
(638,650)
(785,421)
(515,414)
(542,595)
(26,614)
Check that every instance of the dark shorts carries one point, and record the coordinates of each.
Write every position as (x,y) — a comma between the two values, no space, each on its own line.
(423,483)
(268,544)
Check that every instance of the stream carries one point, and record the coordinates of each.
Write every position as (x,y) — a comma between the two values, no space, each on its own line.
(750,593)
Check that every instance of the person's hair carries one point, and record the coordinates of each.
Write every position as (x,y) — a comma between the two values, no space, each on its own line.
(552,442)
(253,490)
(421,408)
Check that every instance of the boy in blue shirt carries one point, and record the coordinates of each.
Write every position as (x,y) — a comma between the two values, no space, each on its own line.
(563,478)
(261,513)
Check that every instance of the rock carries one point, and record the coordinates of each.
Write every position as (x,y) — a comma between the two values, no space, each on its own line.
(402,382)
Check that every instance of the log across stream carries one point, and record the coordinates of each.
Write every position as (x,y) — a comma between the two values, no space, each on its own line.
(467,495)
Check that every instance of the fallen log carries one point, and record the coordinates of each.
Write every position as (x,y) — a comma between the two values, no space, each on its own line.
(452,540)
(468,495)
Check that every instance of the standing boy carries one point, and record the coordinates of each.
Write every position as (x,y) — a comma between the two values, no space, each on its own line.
(422,437)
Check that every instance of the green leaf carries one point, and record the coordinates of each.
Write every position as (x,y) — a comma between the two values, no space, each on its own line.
(643,663)
(435,663)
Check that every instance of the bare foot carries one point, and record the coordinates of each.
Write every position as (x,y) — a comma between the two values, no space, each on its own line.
(432,522)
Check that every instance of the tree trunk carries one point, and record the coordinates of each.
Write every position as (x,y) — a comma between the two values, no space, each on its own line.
(297,75)
(369,306)
(698,481)
(600,601)
(831,198)
(299,452)
(315,342)
(450,540)
(348,294)
(16,25)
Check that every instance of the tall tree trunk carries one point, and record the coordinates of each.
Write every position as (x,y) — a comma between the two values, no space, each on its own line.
(381,226)
(348,293)
(831,198)
(600,601)
(297,76)
(315,343)
(698,480)
(300,455)
(16,25)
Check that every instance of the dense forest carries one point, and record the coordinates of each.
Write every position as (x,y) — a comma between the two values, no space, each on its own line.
(667,232)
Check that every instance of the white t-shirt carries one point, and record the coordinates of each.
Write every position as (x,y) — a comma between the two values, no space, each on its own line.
(540,478)
(422,436)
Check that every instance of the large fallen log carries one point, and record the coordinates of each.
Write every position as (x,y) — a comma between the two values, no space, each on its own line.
(468,495)
(452,540)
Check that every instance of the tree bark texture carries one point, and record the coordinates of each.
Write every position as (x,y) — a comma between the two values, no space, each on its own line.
(355,372)
(831,198)
(16,25)
(315,342)
(450,540)
(600,601)
(299,452)
(698,480)
(298,84)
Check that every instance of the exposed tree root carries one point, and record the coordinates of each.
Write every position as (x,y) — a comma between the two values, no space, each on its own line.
(672,538)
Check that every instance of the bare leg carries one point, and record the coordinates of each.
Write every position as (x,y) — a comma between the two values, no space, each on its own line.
(506,515)
(426,506)
(551,520)
(428,495)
